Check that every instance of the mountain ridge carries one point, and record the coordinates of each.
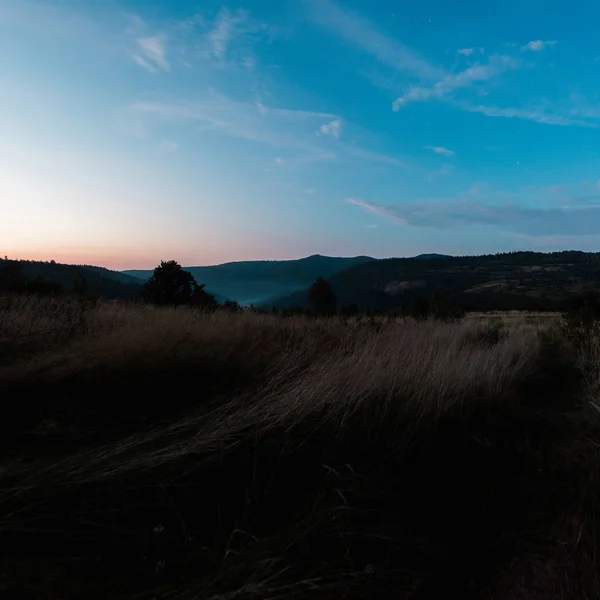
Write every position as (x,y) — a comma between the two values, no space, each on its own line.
(505,281)
(250,282)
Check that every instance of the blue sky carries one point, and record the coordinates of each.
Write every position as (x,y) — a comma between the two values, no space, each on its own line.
(136,131)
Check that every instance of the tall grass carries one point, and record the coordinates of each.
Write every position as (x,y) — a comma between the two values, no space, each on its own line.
(157,453)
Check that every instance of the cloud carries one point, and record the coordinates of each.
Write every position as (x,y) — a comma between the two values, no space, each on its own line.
(279,160)
(284,128)
(466,51)
(576,219)
(142,62)
(477,188)
(446,170)
(153,54)
(168,146)
(309,191)
(230,38)
(497,64)
(293,113)
(538,45)
(332,128)
(582,107)
(276,127)
(539,115)
(361,34)
(378,210)
(363,154)
(228,41)
(439,150)
(222,32)
(223,41)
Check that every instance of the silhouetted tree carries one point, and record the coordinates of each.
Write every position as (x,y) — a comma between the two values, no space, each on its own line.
(201,298)
(170,285)
(231,306)
(322,298)
(12,278)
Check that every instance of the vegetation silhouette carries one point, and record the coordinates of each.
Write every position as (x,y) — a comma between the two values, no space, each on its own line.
(322,298)
(171,285)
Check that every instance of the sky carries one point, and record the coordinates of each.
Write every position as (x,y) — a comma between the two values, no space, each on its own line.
(138,131)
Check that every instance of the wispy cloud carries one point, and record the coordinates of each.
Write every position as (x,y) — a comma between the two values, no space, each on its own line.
(152,53)
(497,64)
(446,169)
(332,128)
(440,150)
(230,38)
(538,45)
(582,107)
(539,115)
(543,220)
(293,113)
(309,191)
(361,34)
(222,32)
(225,40)
(477,188)
(363,154)
(382,211)
(274,126)
(279,160)
(431,81)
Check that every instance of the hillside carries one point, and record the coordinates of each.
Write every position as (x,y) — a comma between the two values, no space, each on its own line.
(175,454)
(515,280)
(109,284)
(259,281)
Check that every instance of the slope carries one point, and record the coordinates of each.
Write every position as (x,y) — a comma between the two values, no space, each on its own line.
(259,281)
(515,280)
(110,284)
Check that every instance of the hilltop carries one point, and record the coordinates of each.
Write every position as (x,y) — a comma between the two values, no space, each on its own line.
(263,280)
(514,280)
(106,283)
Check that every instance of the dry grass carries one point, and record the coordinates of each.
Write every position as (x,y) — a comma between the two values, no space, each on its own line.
(176,454)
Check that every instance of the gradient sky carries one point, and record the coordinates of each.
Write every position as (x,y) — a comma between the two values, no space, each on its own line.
(135,131)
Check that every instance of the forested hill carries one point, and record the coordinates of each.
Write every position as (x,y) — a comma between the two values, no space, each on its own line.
(263,280)
(107,283)
(514,280)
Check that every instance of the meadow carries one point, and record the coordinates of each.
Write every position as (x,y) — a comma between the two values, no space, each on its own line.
(179,454)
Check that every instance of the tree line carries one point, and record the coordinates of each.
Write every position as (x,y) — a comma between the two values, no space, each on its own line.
(171,286)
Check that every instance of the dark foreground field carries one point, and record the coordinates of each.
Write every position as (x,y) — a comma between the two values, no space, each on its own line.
(170,454)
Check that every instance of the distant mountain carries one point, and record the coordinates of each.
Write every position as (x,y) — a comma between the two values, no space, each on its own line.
(110,284)
(259,281)
(113,275)
(432,255)
(515,280)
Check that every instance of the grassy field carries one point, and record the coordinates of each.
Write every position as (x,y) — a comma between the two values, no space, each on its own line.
(172,454)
